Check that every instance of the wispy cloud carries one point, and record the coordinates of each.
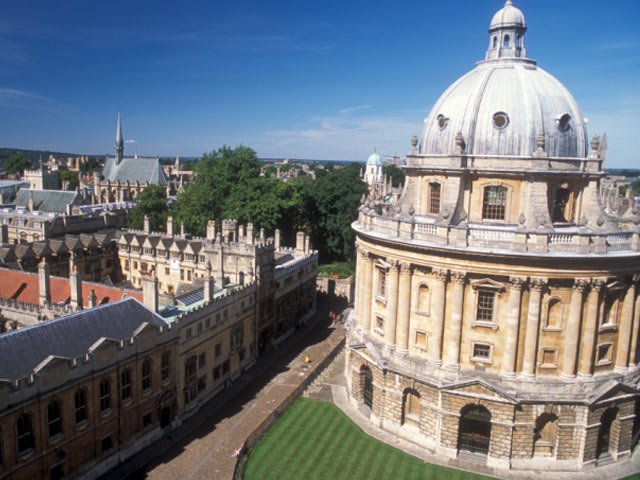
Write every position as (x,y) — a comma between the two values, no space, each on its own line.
(22,99)
(10,93)
(130,141)
(618,45)
(349,110)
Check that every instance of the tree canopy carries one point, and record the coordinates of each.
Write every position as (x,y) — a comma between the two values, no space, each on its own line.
(153,203)
(397,174)
(67,176)
(17,163)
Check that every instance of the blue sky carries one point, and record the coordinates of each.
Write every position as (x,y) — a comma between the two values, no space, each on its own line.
(325,80)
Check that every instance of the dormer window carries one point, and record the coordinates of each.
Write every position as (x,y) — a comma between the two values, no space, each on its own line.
(500,120)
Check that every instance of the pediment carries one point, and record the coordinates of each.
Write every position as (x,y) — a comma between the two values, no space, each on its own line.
(487,283)
(612,391)
(480,389)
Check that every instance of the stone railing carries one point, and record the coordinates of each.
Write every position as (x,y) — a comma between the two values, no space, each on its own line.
(567,240)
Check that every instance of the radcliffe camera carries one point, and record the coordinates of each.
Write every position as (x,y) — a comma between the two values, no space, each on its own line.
(279,241)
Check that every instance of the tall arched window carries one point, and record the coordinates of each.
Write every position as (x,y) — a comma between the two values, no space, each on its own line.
(495,42)
(424,299)
(434,198)
(146,375)
(105,395)
(54,420)
(80,406)
(545,435)
(494,205)
(125,384)
(165,366)
(26,439)
(507,40)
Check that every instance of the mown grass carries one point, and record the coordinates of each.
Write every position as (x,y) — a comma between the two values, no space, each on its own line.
(316,440)
(342,269)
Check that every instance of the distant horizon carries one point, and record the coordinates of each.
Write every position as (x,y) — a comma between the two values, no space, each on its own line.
(290,80)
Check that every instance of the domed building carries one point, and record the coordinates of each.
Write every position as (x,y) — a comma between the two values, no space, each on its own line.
(497,306)
(373,173)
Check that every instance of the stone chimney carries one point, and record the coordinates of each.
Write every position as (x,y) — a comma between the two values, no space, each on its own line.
(208,284)
(147,225)
(300,243)
(30,205)
(43,283)
(262,235)
(150,292)
(307,244)
(211,230)
(277,239)
(182,229)
(170,226)
(93,300)
(75,284)
(249,237)
(241,233)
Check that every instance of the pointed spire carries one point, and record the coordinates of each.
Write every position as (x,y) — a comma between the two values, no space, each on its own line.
(119,142)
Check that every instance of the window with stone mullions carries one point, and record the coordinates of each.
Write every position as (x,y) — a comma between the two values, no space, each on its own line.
(494,203)
(485,307)
(382,283)
(434,198)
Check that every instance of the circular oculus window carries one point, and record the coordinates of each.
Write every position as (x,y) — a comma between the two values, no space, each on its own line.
(442,121)
(563,123)
(500,120)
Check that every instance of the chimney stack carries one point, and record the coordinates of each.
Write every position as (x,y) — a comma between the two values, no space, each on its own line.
(43,283)
(300,243)
(150,292)
(75,284)
(249,233)
(147,225)
(93,300)
(307,244)
(241,233)
(170,226)
(221,265)
(182,229)
(277,239)
(211,230)
(208,284)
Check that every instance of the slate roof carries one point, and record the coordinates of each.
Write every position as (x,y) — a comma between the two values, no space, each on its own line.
(46,200)
(71,336)
(134,170)
(24,287)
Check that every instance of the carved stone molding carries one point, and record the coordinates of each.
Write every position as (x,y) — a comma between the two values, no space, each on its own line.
(516,283)
(597,284)
(537,284)
(393,264)
(405,267)
(440,274)
(458,277)
(580,284)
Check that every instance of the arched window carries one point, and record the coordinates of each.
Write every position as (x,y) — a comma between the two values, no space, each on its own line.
(424,299)
(494,205)
(545,435)
(80,406)
(125,384)
(26,439)
(165,366)
(518,40)
(507,40)
(604,432)
(411,408)
(560,206)
(434,198)
(105,395)
(610,314)
(54,420)
(495,42)
(366,382)
(554,313)
(146,375)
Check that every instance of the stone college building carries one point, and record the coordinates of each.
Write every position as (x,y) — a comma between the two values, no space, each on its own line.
(497,306)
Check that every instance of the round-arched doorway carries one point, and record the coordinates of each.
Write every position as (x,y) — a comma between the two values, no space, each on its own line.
(367,386)
(474,429)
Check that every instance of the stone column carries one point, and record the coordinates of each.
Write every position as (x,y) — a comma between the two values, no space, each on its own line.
(513,324)
(437,315)
(634,333)
(589,331)
(572,333)
(404,308)
(454,330)
(392,306)
(365,320)
(626,327)
(533,324)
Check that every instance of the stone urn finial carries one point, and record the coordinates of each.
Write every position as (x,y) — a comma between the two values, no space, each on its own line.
(540,142)
(595,143)
(460,145)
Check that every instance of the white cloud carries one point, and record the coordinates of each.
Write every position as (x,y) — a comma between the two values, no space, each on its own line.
(354,109)
(130,141)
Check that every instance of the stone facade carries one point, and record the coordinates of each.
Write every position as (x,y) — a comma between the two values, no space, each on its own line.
(496,300)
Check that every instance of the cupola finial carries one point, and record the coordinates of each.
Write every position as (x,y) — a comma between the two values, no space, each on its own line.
(508,2)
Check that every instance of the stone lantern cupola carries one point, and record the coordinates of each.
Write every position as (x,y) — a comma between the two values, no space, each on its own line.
(506,33)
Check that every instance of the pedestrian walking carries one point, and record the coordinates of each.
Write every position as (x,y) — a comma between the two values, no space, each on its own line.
(228,382)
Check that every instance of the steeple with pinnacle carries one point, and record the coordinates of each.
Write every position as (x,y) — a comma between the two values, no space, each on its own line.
(119,142)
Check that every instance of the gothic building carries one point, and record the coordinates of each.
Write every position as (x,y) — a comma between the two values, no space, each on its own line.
(497,311)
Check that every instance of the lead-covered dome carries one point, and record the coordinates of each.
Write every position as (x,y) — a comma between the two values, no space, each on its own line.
(503,104)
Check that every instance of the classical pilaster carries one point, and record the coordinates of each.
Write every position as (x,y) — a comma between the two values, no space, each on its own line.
(365,320)
(392,305)
(572,332)
(587,346)
(513,324)
(636,326)
(359,287)
(437,315)
(533,324)
(626,327)
(404,308)
(454,330)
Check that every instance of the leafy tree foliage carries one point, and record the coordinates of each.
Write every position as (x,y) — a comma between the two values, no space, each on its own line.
(91,165)
(331,206)
(153,203)
(71,177)
(17,163)
(397,174)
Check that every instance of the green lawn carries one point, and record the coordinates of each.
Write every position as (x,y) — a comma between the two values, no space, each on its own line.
(315,440)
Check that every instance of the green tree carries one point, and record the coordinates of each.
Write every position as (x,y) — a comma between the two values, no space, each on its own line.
(17,163)
(270,171)
(153,203)
(91,165)
(331,205)
(217,176)
(397,174)
(71,177)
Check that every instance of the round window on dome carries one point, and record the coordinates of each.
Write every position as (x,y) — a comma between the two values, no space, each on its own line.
(442,121)
(500,120)
(563,123)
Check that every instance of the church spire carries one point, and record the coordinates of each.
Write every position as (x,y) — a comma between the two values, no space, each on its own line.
(119,142)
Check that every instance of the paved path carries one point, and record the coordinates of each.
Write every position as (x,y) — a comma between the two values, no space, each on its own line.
(202,447)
